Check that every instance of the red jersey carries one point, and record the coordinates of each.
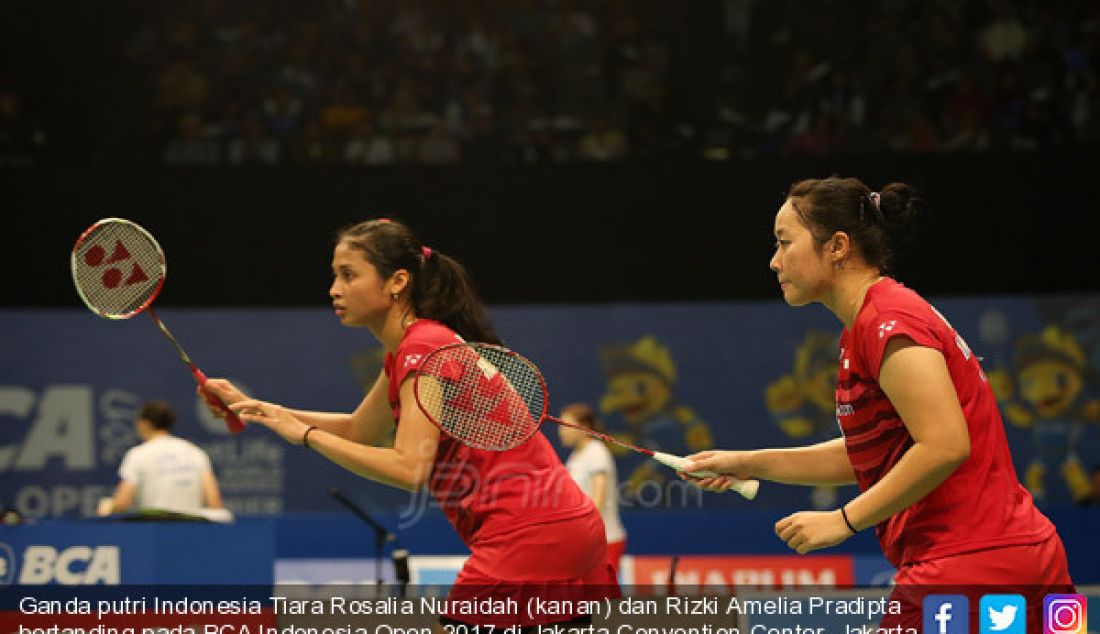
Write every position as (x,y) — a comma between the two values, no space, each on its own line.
(982,504)
(508,507)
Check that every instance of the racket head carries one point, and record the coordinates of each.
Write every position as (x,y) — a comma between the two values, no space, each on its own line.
(118,268)
(483,395)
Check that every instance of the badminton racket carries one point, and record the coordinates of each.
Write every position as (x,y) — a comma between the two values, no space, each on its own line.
(119,269)
(489,397)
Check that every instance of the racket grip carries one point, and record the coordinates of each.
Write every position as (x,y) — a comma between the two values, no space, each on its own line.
(747,488)
(232,421)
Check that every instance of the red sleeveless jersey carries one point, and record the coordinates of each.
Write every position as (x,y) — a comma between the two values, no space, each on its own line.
(982,504)
(495,498)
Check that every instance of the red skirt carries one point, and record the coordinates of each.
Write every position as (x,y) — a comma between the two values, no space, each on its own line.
(1032,571)
(540,574)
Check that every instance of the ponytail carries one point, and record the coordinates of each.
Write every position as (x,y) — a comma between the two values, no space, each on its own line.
(444,292)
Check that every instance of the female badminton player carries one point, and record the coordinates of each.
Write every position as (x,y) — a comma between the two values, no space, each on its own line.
(529,527)
(592,467)
(922,435)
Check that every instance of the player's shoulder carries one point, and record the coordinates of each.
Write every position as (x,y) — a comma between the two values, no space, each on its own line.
(429,332)
(597,451)
(891,300)
(146,453)
(134,453)
(421,338)
(176,444)
(172,440)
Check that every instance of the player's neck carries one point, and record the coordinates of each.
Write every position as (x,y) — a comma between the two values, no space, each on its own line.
(394,327)
(849,293)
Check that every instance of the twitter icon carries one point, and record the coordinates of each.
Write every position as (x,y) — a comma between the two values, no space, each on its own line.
(1003,614)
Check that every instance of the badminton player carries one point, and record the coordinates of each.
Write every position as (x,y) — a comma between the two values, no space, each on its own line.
(164,472)
(922,435)
(592,467)
(530,529)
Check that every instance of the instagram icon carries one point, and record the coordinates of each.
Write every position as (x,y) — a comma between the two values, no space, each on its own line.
(1065,614)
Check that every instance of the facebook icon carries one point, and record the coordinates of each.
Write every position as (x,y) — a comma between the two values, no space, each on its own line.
(946,614)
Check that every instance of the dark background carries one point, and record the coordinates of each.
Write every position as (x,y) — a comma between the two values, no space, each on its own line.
(623,232)
(599,151)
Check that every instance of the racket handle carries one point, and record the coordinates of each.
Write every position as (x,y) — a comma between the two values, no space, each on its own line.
(747,488)
(232,421)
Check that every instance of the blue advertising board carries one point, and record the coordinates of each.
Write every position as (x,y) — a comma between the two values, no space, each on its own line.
(677,377)
(137,553)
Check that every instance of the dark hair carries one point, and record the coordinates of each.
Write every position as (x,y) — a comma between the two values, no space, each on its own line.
(440,288)
(585,415)
(159,414)
(846,204)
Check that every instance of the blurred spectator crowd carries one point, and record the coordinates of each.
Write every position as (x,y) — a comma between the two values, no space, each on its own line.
(378,82)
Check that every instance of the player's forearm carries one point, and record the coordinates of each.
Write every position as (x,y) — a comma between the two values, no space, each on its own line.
(123,498)
(212,495)
(381,464)
(600,484)
(825,463)
(361,429)
(920,470)
(336,423)
(599,498)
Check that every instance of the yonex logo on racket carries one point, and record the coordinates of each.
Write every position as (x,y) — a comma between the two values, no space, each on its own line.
(118,268)
(96,256)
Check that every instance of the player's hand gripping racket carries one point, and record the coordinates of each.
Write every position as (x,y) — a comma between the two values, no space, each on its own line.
(490,397)
(119,269)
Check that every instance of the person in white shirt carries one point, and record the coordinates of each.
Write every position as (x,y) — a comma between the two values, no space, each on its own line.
(164,472)
(592,467)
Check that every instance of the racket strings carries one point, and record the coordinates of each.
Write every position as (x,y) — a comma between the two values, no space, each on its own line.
(485,398)
(117,269)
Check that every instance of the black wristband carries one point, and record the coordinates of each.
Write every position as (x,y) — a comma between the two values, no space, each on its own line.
(843,513)
(305,439)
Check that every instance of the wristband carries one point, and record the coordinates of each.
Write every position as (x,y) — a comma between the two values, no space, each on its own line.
(305,441)
(843,513)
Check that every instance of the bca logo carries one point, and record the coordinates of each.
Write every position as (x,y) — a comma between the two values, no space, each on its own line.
(7,565)
(412,360)
(75,565)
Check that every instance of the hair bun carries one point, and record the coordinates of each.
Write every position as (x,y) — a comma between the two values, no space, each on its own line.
(900,205)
